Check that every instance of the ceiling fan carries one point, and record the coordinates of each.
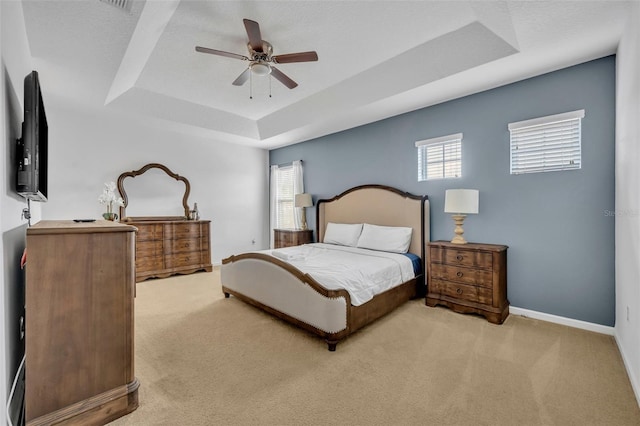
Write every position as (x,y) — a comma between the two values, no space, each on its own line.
(261,58)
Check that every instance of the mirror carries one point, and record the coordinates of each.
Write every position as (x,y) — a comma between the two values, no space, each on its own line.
(153,193)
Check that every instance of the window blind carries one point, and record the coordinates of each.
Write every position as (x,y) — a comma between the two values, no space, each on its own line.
(440,158)
(547,144)
(284,198)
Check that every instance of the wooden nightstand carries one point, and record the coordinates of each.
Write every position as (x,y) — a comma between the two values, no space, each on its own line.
(469,278)
(291,237)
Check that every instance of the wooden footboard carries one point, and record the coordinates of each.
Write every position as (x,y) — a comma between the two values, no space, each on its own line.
(286,292)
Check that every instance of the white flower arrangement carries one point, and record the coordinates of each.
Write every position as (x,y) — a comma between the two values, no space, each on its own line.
(109,197)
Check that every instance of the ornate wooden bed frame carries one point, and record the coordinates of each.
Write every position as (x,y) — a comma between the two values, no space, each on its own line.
(284,291)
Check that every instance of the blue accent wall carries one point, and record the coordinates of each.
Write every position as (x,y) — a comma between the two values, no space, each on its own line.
(559,226)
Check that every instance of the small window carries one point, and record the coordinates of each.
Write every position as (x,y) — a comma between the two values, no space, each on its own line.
(440,158)
(284,198)
(547,144)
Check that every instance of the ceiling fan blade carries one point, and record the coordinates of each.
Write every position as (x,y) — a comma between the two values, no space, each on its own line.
(280,76)
(253,32)
(242,78)
(221,53)
(296,57)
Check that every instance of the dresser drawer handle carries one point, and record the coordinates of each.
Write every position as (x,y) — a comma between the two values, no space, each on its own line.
(459,274)
(459,290)
(459,258)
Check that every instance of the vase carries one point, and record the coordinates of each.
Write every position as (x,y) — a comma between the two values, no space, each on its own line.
(110,216)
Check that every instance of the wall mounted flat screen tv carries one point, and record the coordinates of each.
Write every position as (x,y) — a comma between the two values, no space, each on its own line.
(32,149)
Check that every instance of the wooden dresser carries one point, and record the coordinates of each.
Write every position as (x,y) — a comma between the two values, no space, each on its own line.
(168,247)
(469,278)
(79,299)
(291,237)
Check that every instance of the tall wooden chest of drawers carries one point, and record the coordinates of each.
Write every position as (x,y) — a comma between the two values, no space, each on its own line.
(168,247)
(469,278)
(79,304)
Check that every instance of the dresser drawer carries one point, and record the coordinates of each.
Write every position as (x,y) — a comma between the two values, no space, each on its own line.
(146,264)
(460,274)
(148,232)
(472,258)
(183,259)
(183,231)
(185,245)
(462,291)
(148,248)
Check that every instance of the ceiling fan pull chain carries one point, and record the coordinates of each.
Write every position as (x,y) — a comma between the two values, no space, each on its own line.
(269,84)
(250,85)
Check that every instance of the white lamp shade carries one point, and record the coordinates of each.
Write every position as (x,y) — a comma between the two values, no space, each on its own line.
(303,200)
(464,201)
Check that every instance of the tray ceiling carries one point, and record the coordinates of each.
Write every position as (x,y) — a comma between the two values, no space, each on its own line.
(376,58)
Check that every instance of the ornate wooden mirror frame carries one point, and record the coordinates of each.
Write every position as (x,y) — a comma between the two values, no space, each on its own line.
(123,176)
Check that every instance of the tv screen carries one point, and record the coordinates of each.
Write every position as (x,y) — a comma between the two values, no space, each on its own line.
(32,152)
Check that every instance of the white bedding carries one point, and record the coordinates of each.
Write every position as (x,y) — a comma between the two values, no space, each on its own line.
(363,273)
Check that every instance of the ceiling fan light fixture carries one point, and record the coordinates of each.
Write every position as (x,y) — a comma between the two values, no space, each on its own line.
(260,68)
(260,57)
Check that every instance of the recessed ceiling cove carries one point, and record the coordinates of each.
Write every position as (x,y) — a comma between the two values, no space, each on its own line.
(375,59)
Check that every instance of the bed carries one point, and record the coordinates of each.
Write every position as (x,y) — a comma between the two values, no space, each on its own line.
(275,285)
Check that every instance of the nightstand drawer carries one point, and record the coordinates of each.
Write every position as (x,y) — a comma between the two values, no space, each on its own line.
(473,258)
(462,291)
(481,277)
(285,238)
(291,237)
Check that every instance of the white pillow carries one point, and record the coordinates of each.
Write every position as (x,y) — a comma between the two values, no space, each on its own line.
(394,239)
(344,234)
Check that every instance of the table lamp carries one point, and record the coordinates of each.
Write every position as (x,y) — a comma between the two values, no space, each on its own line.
(303,200)
(460,202)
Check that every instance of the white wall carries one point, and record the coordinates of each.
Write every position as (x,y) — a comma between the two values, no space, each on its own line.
(628,199)
(90,147)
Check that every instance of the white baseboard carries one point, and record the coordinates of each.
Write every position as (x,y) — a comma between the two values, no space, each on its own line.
(627,365)
(603,329)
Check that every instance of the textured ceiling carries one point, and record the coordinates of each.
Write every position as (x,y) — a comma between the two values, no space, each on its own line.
(376,58)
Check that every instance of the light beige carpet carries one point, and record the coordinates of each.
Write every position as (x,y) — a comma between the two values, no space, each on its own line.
(205,360)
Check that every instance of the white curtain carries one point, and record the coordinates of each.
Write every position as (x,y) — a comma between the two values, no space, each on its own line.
(298,188)
(273,199)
